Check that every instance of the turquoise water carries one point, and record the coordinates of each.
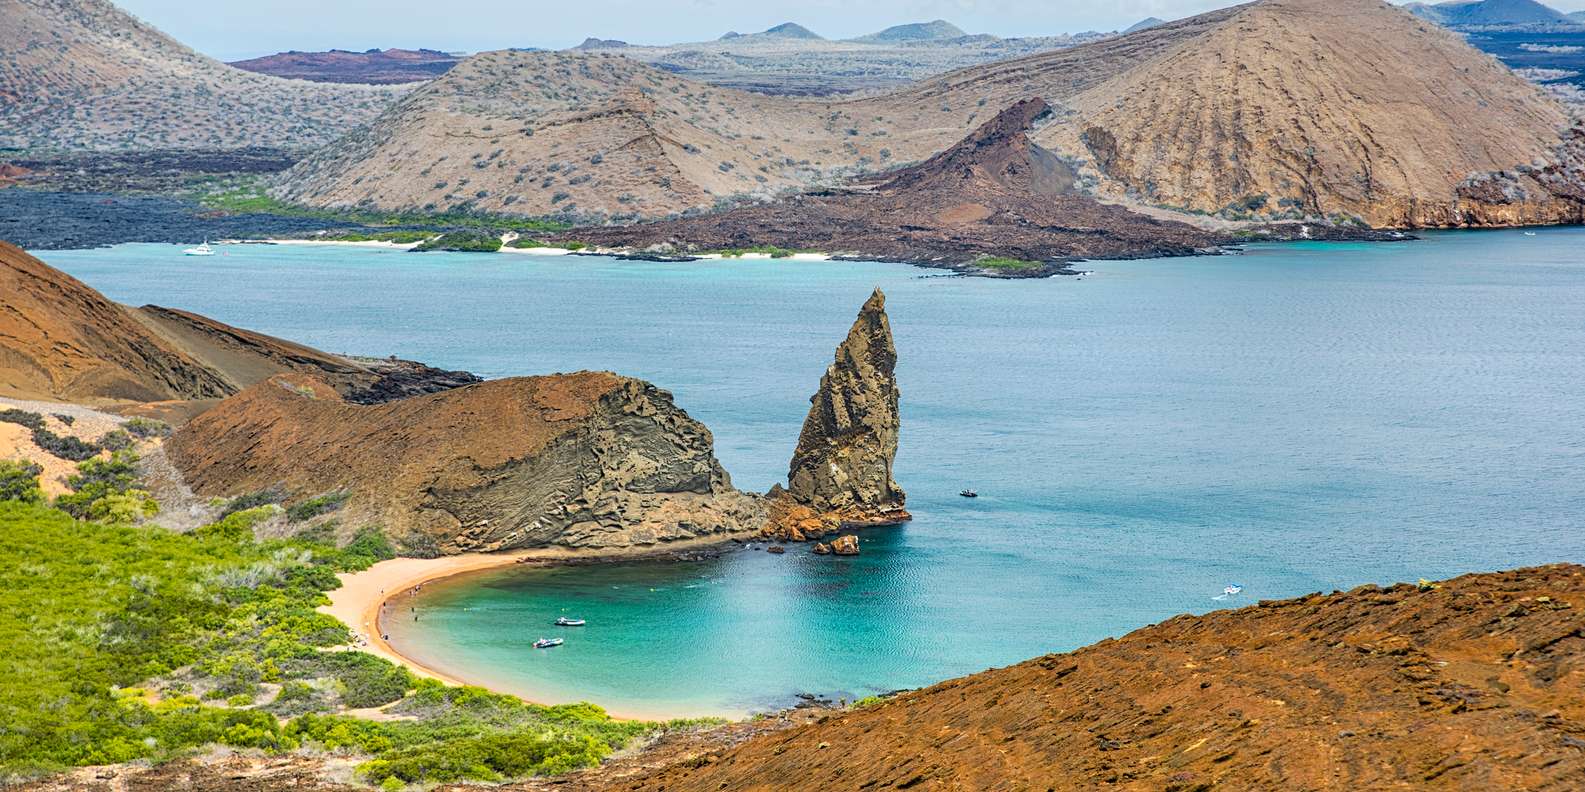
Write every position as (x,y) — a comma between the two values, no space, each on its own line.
(1296,418)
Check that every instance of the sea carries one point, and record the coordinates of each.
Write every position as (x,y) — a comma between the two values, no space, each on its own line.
(1287,419)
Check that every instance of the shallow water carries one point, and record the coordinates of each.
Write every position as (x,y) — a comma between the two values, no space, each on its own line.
(1293,419)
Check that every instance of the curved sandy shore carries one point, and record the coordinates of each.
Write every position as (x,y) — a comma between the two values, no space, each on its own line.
(360,600)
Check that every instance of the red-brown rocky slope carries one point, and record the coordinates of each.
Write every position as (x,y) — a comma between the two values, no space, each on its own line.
(1472,684)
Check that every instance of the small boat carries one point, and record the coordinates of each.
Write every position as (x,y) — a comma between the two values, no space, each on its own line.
(969,494)
(546,643)
(566,622)
(1529,233)
(201,250)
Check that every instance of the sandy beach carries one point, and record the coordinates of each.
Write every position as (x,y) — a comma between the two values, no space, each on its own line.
(362,596)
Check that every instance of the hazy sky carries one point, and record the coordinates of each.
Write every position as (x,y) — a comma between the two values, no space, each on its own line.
(230,29)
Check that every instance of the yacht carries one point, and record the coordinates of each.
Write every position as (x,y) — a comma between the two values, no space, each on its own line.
(546,643)
(201,250)
(566,622)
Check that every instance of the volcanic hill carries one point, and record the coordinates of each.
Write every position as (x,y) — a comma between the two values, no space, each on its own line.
(61,339)
(1351,110)
(373,67)
(83,74)
(995,204)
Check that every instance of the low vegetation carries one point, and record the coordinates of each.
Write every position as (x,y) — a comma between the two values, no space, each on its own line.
(462,242)
(127,641)
(764,250)
(1004,263)
(248,196)
(525,243)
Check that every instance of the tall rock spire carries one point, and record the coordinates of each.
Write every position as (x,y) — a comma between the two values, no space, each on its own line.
(843,464)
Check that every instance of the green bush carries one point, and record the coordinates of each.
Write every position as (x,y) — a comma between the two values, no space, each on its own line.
(313,507)
(145,428)
(107,489)
(253,500)
(19,481)
(31,420)
(462,242)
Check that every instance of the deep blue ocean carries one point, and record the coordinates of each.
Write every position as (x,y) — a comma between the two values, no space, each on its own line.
(1296,418)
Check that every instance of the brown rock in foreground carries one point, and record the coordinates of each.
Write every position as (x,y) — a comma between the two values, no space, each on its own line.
(585,460)
(1472,685)
(845,545)
(843,463)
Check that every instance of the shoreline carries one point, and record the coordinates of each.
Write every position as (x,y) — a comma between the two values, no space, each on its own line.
(361,599)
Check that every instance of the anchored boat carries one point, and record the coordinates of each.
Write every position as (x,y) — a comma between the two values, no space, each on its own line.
(201,250)
(566,622)
(546,643)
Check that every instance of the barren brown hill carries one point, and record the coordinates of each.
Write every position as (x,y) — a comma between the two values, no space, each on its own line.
(588,460)
(82,74)
(1473,684)
(1345,107)
(1278,109)
(61,339)
(995,197)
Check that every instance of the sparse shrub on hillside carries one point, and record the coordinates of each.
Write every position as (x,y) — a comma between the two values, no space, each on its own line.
(253,500)
(314,507)
(106,490)
(145,428)
(115,440)
(19,481)
(30,420)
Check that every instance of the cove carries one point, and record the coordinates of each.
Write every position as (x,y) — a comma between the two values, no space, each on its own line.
(1295,418)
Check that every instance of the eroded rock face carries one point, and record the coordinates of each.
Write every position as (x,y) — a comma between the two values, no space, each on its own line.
(586,460)
(843,463)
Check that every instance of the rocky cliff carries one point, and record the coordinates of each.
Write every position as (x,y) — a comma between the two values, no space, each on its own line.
(587,460)
(842,466)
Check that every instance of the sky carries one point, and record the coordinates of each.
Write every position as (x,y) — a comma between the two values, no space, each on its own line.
(233,29)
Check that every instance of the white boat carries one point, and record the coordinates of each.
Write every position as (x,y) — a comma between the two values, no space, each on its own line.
(546,643)
(1529,233)
(566,622)
(201,250)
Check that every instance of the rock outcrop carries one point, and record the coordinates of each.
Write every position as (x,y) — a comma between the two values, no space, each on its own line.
(61,339)
(588,460)
(845,545)
(842,467)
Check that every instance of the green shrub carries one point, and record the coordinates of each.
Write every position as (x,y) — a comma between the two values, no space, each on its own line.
(99,479)
(253,500)
(462,242)
(70,448)
(19,481)
(31,420)
(145,428)
(368,681)
(313,507)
